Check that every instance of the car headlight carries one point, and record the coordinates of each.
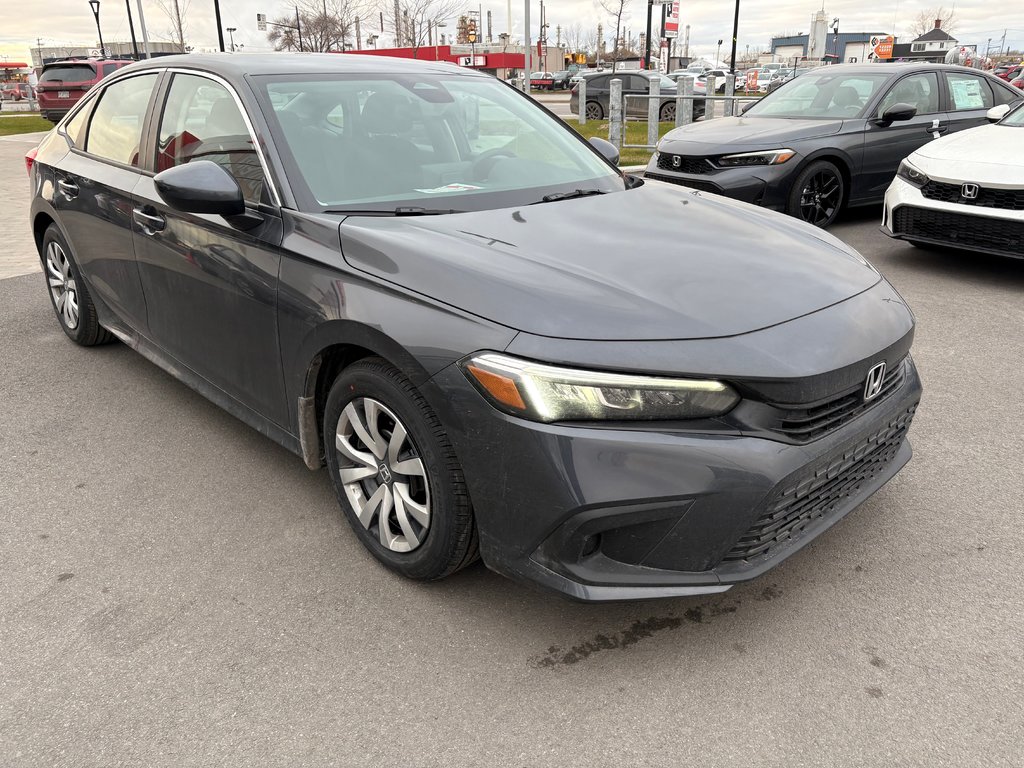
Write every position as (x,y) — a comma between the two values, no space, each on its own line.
(768,157)
(549,393)
(911,175)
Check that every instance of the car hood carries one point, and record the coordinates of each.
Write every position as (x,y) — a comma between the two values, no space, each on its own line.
(731,132)
(978,155)
(656,262)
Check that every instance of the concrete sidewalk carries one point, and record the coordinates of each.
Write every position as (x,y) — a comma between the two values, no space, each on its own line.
(18,254)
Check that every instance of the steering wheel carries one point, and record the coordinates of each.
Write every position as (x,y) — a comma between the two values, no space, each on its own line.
(482,165)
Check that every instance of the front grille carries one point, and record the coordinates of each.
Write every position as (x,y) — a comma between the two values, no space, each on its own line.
(692,165)
(959,229)
(818,493)
(804,424)
(1004,199)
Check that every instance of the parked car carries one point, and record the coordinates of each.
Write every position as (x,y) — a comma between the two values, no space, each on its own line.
(831,138)
(542,81)
(449,323)
(62,83)
(560,80)
(1008,72)
(766,77)
(720,75)
(1018,82)
(965,190)
(15,91)
(637,83)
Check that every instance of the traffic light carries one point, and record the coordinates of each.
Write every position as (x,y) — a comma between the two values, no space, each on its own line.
(471,31)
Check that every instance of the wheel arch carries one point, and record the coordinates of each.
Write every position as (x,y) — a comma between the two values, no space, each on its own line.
(332,348)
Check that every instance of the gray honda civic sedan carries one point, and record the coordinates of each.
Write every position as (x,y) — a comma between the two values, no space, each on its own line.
(500,346)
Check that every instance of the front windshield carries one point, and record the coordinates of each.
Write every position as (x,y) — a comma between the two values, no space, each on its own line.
(461,142)
(824,95)
(1015,118)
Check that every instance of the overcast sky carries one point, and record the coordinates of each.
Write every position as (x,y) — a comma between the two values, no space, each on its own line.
(70,22)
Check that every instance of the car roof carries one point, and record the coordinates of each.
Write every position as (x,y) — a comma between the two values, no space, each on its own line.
(234,67)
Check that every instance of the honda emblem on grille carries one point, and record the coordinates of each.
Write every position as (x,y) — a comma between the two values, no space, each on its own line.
(873,383)
(969,191)
(676,161)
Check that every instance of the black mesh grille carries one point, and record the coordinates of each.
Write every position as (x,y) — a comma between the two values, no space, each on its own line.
(961,229)
(693,165)
(819,492)
(1005,199)
(805,424)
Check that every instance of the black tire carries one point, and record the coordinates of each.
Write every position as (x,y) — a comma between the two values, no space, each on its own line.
(818,194)
(450,543)
(86,329)
(594,110)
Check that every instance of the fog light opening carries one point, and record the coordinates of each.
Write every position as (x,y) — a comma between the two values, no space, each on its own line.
(590,545)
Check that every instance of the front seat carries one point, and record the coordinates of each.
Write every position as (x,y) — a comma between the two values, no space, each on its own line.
(846,96)
(384,117)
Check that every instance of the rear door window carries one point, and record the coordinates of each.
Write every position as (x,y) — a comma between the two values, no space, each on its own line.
(115,130)
(968,92)
(109,68)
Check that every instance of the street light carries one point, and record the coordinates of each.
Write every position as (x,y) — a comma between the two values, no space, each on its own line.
(718,56)
(231,34)
(95,5)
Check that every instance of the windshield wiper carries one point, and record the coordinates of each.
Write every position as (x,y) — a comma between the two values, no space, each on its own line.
(402,210)
(569,195)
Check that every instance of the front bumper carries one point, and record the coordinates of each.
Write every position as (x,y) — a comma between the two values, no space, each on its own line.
(909,215)
(612,513)
(766,186)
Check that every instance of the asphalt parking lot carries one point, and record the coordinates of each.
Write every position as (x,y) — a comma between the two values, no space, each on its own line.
(177,590)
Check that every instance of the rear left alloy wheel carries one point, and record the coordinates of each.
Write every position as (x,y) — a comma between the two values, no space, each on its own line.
(69,295)
(395,473)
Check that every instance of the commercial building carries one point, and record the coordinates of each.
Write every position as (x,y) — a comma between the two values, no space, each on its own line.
(119,50)
(844,47)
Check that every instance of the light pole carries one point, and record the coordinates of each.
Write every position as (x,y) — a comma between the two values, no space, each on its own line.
(718,55)
(95,5)
(231,34)
(131,29)
(735,34)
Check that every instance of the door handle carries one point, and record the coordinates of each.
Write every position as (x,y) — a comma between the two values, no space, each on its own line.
(937,128)
(68,188)
(149,222)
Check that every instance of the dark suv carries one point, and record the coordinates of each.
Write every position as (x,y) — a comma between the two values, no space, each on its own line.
(63,83)
(599,90)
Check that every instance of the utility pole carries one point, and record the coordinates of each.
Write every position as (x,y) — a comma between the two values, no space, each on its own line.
(231,34)
(220,29)
(686,45)
(735,34)
(558,36)
(142,25)
(647,37)
(298,28)
(359,36)
(131,29)
(398,26)
(600,44)
(528,54)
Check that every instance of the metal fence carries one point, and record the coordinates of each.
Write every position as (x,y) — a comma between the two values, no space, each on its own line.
(679,110)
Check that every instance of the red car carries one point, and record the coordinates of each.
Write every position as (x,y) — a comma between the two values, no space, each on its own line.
(1018,82)
(1009,72)
(14,91)
(63,83)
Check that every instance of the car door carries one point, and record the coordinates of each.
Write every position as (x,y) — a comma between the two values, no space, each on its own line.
(886,145)
(94,184)
(211,284)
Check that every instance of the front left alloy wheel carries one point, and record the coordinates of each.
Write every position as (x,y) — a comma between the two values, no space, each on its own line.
(395,473)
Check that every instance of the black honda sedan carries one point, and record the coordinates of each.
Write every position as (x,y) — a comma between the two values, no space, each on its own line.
(499,345)
(831,138)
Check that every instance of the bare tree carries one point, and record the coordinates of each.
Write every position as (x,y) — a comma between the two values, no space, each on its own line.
(573,36)
(413,22)
(617,10)
(326,25)
(177,12)
(925,20)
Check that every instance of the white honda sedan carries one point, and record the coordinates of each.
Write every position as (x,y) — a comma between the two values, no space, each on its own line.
(965,190)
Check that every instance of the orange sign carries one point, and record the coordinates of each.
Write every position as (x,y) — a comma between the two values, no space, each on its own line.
(881,47)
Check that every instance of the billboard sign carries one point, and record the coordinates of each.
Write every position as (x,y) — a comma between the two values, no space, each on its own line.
(672,20)
(881,47)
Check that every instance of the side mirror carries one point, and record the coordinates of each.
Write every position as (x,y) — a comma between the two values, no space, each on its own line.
(897,113)
(201,186)
(608,150)
(997,113)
